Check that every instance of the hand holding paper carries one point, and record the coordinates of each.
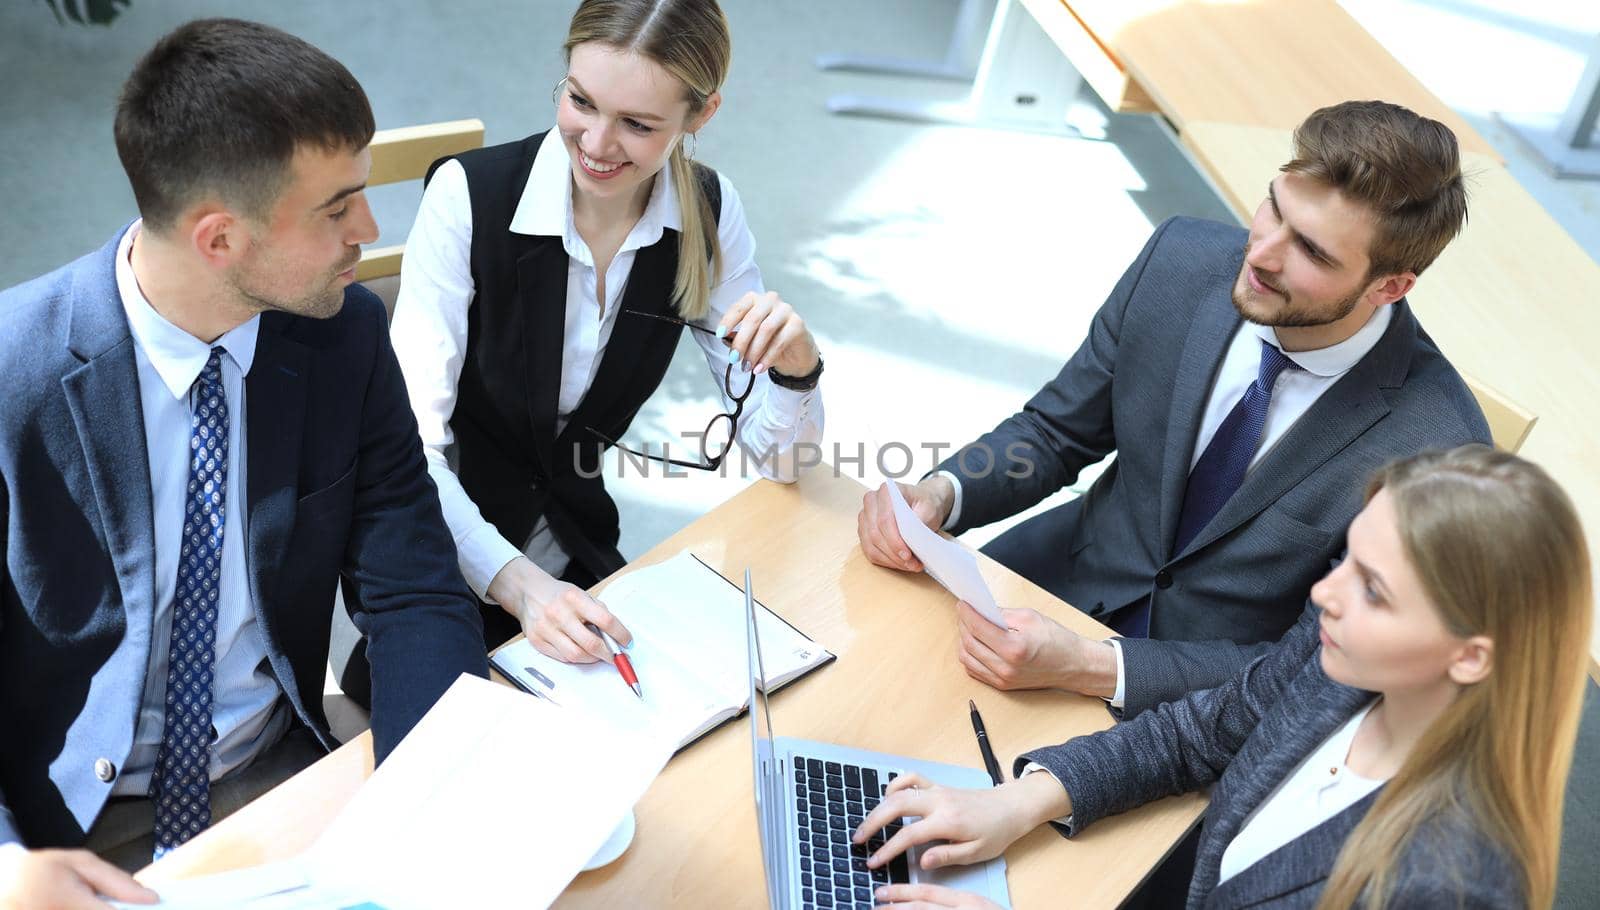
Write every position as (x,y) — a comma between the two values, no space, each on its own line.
(950,564)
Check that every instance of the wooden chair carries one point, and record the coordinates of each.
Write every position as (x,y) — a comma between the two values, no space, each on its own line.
(1509,424)
(404,154)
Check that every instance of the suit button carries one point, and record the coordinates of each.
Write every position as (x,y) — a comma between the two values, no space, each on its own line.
(105,770)
(1163,579)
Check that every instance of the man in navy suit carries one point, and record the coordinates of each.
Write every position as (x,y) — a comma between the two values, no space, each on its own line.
(204,430)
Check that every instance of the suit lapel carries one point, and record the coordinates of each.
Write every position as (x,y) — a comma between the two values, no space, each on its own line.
(1303,861)
(103,397)
(1203,349)
(1316,707)
(276,400)
(542,293)
(1335,420)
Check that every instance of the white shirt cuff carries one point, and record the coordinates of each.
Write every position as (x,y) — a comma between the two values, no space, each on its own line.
(955,504)
(1034,766)
(1121,692)
(788,406)
(483,554)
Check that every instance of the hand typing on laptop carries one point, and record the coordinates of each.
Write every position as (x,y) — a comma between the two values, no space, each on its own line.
(976,825)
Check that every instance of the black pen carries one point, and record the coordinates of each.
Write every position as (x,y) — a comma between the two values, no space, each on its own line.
(989,761)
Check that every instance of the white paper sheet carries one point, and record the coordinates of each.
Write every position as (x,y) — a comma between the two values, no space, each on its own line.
(950,564)
(275,886)
(496,799)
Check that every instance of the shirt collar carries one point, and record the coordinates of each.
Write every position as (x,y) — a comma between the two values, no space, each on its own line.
(177,356)
(545,209)
(1335,359)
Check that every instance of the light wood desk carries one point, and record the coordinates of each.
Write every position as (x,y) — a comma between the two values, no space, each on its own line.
(1514,301)
(896,687)
(1257,62)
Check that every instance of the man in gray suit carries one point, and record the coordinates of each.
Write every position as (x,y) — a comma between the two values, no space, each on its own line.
(1248,382)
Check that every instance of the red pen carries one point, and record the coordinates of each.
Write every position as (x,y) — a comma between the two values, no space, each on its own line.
(620,660)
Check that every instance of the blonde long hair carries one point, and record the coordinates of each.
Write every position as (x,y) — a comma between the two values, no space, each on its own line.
(689,39)
(1500,551)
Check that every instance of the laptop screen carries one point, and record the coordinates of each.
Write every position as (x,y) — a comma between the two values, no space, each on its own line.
(769,813)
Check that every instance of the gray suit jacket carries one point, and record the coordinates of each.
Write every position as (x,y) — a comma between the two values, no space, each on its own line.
(1243,738)
(1138,386)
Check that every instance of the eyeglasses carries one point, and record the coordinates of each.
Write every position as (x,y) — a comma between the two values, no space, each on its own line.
(717,440)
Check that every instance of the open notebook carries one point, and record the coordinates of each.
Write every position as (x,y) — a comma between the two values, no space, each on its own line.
(688,649)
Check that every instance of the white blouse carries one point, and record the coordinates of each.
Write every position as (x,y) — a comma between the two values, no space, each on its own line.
(1321,787)
(429,332)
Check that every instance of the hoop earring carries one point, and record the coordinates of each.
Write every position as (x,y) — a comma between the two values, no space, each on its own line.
(555,92)
(692,145)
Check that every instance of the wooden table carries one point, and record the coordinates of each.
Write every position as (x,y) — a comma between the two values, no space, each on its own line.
(1257,62)
(896,687)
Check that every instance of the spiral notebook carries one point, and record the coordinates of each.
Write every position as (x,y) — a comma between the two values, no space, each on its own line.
(688,649)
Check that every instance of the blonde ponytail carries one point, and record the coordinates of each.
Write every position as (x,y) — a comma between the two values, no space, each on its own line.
(699,251)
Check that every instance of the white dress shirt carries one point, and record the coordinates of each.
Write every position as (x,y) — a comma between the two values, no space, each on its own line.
(1294,392)
(245,694)
(429,332)
(1320,787)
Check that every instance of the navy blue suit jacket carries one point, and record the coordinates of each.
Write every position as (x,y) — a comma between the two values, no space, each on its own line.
(337,486)
(1244,738)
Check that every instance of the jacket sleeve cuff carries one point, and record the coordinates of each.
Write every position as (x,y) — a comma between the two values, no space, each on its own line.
(1121,692)
(1063,823)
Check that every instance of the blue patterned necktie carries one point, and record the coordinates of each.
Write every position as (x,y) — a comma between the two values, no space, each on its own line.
(181,782)
(1221,468)
(1219,472)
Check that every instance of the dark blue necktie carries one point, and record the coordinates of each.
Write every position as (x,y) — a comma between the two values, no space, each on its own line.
(181,781)
(1219,472)
(1221,468)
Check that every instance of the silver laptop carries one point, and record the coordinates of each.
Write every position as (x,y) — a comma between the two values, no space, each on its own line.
(811,796)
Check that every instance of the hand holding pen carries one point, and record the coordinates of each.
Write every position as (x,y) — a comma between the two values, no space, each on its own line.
(619,659)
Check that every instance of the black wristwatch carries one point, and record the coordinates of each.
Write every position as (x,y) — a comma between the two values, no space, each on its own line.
(799,383)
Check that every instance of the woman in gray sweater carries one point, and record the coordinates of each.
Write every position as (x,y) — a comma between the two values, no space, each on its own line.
(1405,745)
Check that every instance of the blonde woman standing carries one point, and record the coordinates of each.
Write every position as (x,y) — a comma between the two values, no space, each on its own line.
(545,286)
(1406,744)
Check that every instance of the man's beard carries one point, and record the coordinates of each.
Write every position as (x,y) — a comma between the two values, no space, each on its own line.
(1288,316)
(322,304)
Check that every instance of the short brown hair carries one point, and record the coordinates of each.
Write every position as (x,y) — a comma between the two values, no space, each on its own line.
(1404,166)
(220,106)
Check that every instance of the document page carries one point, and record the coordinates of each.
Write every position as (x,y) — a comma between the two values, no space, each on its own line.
(494,800)
(950,564)
(688,650)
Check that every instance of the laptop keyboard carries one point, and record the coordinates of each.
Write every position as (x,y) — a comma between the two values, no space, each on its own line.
(832,798)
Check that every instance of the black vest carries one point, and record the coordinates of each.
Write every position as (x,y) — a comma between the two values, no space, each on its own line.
(509,458)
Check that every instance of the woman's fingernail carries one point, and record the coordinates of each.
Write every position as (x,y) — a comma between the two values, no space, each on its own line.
(722,332)
(760,368)
(733,357)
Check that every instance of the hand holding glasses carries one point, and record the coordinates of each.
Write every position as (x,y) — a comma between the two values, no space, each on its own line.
(718,438)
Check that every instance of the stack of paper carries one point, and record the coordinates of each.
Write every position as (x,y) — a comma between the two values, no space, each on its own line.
(495,799)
